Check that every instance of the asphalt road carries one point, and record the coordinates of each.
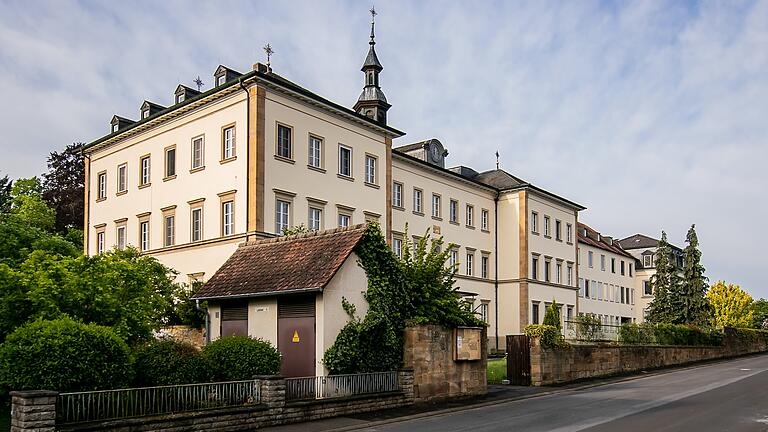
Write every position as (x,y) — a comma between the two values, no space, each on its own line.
(725,396)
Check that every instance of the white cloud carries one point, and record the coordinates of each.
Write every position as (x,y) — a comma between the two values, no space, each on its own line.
(651,114)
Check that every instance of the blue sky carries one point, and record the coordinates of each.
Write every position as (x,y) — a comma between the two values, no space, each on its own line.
(654,115)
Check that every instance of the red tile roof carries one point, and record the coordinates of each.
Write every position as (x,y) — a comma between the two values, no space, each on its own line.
(281,265)
(591,239)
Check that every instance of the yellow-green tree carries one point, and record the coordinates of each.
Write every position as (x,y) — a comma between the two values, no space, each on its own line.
(731,306)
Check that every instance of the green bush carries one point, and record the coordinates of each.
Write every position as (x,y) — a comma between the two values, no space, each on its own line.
(371,345)
(169,362)
(549,336)
(631,333)
(588,327)
(680,334)
(64,355)
(552,315)
(235,358)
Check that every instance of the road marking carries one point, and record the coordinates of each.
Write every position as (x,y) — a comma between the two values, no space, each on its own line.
(742,369)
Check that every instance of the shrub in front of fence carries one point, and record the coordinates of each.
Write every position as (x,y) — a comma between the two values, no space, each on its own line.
(669,334)
(233,358)
(549,336)
(636,334)
(64,355)
(170,362)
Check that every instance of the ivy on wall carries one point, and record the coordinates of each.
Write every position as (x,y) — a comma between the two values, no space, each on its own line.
(416,288)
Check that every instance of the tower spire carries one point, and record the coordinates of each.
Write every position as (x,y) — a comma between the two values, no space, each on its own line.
(372,102)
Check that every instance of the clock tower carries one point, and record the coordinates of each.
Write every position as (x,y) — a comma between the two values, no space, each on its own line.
(372,102)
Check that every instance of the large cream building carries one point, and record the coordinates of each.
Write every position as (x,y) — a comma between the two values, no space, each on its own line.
(188,182)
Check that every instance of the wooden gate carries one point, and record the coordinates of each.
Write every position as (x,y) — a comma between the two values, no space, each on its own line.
(518,360)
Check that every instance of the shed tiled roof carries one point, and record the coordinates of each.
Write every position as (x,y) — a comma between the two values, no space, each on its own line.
(281,265)
(591,240)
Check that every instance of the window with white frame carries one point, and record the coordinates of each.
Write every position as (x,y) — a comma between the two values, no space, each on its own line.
(470,263)
(559,273)
(569,233)
(470,215)
(120,235)
(581,287)
(115,127)
(228,143)
(547,270)
(282,216)
(144,235)
(228,217)
(397,195)
(370,169)
(102,188)
(122,178)
(535,267)
(100,242)
(344,220)
(648,261)
(345,161)
(602,262)
(198,152)
(284,141)
(484,312)
(145,170)
(453,261)
(546,226)
(613,265)
(558,230)
(647,288)
(315,159)
(436,206)
(417,200)
(315,218)
(170,230)
(170,162)
(453,211)
(221,79)
(534,313)
(590,258)
(534,222)
(569,274)
(630,269)
(397,246)
(484,264)
(484,220)
(196,225)
(586,288)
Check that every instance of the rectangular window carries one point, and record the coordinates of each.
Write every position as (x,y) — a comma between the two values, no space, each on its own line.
(197,224)
(397,195)
(613,265)
(630,269)
(121,237)
(534,222)
(170,230)
(559,273)
(581,287)
(100,243)
(569,233)
(484,220)
(282,214)
(622,295)
(621,266)
(484,312)
(535,313)
(632,296)
(315,152)
(454,259)
(453,210)
(170,162)
(345,161)
(417,201)
(602,262)
(228,218)
(470,263)
(144,235)
(436,206)
(569,313)
(590,258)
(484,261)
(284,141)
(546,226)
(558,230)
(315,218)
(535,268)
(102,186)
(397,246)
(647,261)
(647,288)
(197,152)
(599,290)
(586,288)
(228,143)
(145,170)
(122,178)
(221,79)
(370,169)
(470,216)
(344,220)
(547,266)
(569,275)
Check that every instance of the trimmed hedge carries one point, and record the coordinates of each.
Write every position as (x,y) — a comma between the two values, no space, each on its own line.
(170,362)
(234,358)
(64,355)
(669,334)
(549,336)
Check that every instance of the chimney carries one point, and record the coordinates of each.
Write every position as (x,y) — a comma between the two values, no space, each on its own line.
(261,67)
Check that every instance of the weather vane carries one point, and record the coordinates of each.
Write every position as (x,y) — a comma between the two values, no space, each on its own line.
(497,159)
(199,82)
(269,51)
(373,14)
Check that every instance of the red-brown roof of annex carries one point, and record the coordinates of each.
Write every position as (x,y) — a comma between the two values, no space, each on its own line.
(283,265)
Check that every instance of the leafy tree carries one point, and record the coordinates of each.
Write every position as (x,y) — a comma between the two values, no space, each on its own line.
(760,314)
(731,306)
(5,194)
(184,310)
(28,205)
(690,302)
(552,315)
(64,186)
(660,309)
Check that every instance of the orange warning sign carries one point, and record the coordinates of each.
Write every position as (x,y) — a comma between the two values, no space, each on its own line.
(295,337)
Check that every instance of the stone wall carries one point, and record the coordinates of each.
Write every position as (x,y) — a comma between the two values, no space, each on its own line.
(556,366)
(183,333)
(430,351)
(36,411)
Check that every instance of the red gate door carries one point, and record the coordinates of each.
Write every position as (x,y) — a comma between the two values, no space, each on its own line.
(296,336)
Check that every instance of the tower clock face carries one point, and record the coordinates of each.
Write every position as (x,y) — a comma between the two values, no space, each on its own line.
(435,153)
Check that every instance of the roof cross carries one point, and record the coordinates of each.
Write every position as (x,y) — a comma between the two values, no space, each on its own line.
(268,49)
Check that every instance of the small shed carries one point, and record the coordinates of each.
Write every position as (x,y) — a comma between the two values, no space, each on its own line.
(288,290)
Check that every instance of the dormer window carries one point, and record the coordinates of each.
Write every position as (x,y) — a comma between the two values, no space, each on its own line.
(180,98)
(115,127)
(221,79)
(145,114)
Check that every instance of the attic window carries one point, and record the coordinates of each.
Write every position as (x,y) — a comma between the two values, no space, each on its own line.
(115,127)
(221,79)
(180,98)
(145,113)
